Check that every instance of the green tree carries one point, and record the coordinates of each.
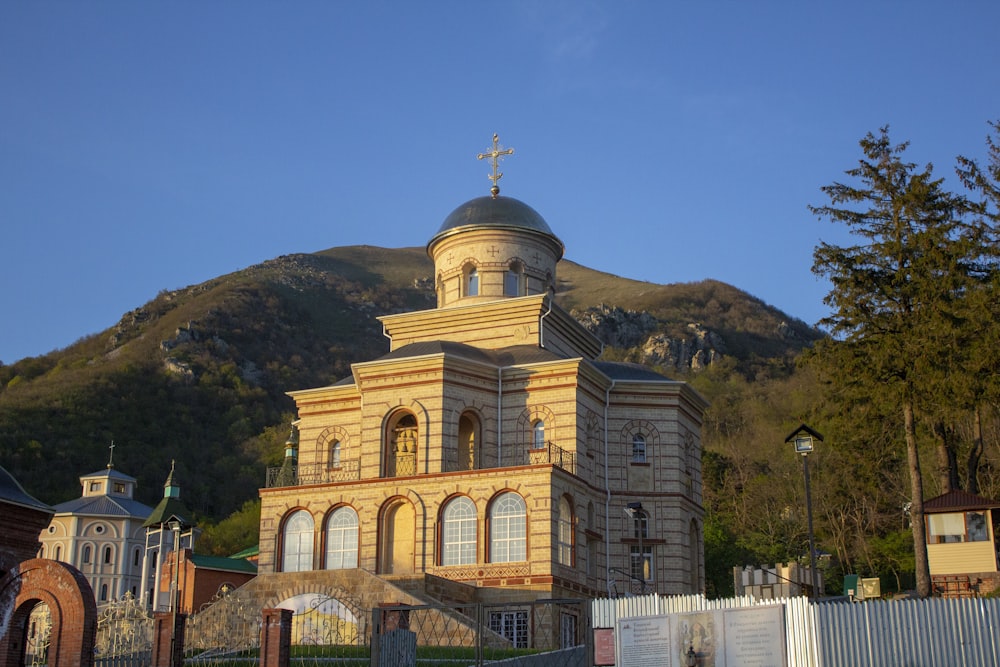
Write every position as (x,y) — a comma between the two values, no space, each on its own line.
(982,342)
(889,289)
(238,531)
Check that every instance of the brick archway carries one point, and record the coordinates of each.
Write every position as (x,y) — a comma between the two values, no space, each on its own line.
(71,603)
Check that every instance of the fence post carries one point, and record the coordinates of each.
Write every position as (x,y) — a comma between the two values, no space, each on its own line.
(376,639)
(167,653)
(275,637)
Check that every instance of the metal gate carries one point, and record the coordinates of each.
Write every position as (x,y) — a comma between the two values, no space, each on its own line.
(124,634)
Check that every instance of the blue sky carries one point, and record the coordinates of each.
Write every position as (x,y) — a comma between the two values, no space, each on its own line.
(152,145)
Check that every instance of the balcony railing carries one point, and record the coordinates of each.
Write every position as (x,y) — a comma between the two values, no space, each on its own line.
(348,471)
(550,452)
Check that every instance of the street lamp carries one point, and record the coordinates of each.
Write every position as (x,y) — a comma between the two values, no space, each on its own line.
(175,527)
(637,513)
(805,439)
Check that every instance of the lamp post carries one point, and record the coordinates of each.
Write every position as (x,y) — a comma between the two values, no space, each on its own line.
(805,439)
(175,527)
(637,513)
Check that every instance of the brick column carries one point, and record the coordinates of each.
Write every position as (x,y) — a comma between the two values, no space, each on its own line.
(275,637)
(162,656)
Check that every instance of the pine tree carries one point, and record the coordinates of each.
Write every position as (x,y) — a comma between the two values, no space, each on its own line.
(889,292)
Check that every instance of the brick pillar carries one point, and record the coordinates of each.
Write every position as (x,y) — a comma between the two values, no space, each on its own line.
(162,656)
(276,637)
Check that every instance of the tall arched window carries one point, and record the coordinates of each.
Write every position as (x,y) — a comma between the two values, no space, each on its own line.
(86,554)
(298,543)
(135,557)
(107,554)
(468,434)
(564,545)
(638,448)
(508,529)
(458,532)
(58,552)
(472,282)
(401,448)
(104,592)
(335,454)
(342,539)
(538,434)
(513,280)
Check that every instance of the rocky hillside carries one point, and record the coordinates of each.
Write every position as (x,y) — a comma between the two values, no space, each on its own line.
(200,374)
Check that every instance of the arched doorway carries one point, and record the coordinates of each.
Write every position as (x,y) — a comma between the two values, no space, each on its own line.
(71,606)
(398,538)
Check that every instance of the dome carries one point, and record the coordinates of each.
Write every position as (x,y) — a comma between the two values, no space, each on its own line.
(497,213)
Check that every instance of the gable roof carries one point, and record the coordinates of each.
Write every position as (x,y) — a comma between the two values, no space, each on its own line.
(958,501)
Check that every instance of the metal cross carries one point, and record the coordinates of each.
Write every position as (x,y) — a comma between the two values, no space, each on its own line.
(111,457)
(495,156)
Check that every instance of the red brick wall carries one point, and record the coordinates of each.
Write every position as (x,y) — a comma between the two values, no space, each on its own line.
(20,528)
(168,639)
(71,602)
(198,585)
(276,637)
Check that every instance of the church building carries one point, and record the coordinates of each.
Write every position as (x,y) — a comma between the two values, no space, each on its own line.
(101,534)
(491,447)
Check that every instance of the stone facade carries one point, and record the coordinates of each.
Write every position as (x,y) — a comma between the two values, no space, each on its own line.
(490,447)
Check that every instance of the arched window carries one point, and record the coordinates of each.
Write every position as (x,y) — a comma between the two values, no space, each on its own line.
(58,552)
(135,557)
(508,529)
(513,280)
(458,532)
(107,554)
(564,545)
(468,433)
(538,434)
(298,543)
(104,592)
(472,282)
(86,554)
(342,539)
(335,454)
(401,450)
(638,448)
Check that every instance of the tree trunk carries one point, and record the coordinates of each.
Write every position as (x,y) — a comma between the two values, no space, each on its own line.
(972,464)
(947,457)
(922,567)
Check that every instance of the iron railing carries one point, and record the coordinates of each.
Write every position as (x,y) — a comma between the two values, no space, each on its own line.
(296,475)
(350,471)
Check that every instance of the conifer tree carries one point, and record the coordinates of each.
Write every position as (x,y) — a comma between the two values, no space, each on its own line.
(982,378)
(889,291)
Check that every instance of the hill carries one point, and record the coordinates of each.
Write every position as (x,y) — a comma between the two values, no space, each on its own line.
(200,374)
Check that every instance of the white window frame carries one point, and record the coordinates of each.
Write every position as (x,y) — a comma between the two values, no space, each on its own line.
(508,529)
(458,532)
(341,539)
(297,542)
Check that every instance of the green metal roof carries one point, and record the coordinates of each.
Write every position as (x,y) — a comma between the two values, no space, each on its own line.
(223,563)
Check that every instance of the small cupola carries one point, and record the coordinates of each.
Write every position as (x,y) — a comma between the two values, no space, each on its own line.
(493,247)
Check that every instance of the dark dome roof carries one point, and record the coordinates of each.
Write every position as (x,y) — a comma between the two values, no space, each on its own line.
(501,212)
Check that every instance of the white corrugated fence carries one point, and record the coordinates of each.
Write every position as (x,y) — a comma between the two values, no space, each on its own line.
(872,633)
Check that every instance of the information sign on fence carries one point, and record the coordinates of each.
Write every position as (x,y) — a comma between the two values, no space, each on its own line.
(739,637)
